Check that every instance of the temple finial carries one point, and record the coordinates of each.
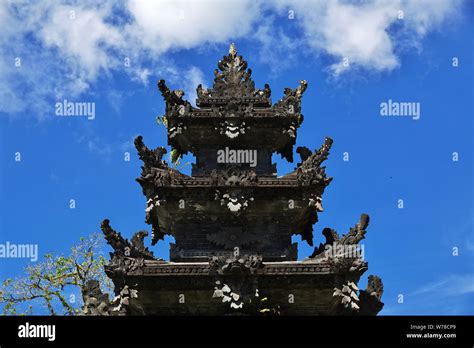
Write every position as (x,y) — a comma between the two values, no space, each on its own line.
(232,50)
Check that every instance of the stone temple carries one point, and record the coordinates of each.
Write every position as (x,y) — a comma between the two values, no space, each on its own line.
(233,218)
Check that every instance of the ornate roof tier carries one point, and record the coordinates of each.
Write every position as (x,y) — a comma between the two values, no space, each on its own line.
(231,191)
(233,84)
(233,219)
(324,284)
(233,112)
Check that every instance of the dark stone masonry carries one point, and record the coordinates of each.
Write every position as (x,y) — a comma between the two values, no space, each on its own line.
(233,218)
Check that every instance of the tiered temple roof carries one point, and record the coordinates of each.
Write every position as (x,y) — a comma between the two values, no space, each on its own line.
(233,220)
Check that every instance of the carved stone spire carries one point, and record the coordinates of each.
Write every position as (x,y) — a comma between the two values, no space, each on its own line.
(310,170)
(122,246)
(173,99)
(291,101)
(232,50)
(232,80)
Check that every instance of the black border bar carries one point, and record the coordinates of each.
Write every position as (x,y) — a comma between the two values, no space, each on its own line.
(222,331)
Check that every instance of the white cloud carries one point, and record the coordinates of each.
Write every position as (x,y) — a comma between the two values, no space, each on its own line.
(192,78)
(61,52)
(360,31)
(168,24)
(276,48)
(81,36)
(186,80)
(423,16)
(66,45)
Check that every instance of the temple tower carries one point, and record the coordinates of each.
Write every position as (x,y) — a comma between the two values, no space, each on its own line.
(233,218)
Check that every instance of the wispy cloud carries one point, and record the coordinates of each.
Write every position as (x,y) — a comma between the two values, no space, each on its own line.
(187,81)
(451,285)
(91,139)
(449,294)
(363,33)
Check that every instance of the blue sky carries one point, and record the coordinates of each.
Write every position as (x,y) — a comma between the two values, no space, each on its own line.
(80,56)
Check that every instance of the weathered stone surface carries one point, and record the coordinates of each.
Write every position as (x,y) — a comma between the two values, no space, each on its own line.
(233,220)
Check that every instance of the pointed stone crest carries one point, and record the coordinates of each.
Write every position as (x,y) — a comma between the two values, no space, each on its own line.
(232,80)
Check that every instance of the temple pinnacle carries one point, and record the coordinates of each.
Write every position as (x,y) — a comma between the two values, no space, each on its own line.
(232,50)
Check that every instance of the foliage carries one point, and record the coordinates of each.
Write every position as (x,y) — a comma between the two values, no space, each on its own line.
(54,282)
(266,307)
(162,120)
(175,156)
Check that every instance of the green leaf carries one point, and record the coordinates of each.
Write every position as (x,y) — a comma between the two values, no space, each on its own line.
(162,120)
(175,156)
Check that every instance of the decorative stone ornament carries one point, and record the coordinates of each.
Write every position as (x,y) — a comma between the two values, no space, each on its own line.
(233,218)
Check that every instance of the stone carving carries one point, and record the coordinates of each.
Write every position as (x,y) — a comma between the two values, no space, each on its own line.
(236,281)
(225,292)
(365,302)
(308,217)
(98,304)
(232,129)
(348,296)
(232,80)
(233,176)
(234,114)
(176,129)
(122,247)
(374,287)
(304,153)
(291,102)
(310,172)
(356,233)
(370,298)
(235,200)
(155,174)
(353,266)
(290,132)
(120,266)
(151,218)
(95,301)
(245,265)
(125,303)
(151,158)
(353,237)
(155,171)
(343,254)
(201,92)
(172,98)
(236,297)
(266,92)
(234,237)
